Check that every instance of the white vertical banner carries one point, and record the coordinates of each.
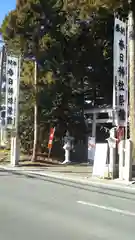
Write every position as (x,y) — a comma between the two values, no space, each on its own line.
(120,83)
(12,90)
(2,86)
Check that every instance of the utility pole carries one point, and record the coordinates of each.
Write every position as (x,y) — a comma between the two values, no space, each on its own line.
(35,114)
(131,61)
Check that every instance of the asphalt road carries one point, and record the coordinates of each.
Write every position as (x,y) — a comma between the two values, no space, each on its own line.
(36,209)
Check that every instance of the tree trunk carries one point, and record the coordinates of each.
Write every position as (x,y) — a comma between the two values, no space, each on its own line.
(131,51)
(35,142)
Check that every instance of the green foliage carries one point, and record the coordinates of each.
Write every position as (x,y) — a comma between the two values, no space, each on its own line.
(27,72)
(73,49)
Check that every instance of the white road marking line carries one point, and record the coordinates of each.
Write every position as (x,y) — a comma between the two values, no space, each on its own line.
(124,212)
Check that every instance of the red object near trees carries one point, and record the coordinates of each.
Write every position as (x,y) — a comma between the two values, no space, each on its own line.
(51,136)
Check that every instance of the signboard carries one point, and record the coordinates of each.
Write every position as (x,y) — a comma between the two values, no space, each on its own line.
(120,85)
(100,160)
(12,83)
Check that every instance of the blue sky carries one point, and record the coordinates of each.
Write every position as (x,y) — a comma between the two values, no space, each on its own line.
(5,7)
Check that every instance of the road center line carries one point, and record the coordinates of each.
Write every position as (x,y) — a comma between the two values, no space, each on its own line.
(111,209)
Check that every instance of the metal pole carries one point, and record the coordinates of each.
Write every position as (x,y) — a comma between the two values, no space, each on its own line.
(94,124)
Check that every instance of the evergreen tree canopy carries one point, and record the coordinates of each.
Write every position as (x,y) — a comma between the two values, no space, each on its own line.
(73,50)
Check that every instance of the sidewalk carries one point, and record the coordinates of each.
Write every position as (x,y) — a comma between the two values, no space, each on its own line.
(82,171)
(75,174)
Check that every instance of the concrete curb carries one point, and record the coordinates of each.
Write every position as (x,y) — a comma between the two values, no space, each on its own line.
(91,182)
(87,181)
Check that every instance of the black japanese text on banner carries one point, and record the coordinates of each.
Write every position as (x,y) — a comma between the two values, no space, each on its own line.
(12,73)
(120,85)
